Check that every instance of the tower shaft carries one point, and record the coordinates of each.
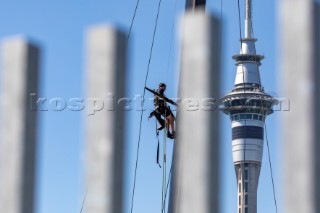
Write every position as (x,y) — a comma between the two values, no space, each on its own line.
(247,105)
(247,143)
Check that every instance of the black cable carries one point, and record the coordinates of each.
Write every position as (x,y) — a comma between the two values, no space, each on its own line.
(274,191)
(132,21)
(144,92)
(84,199)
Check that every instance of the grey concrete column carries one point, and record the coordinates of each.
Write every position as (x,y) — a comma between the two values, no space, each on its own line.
(299,66)
(195,183)
(106,64)
(20,67)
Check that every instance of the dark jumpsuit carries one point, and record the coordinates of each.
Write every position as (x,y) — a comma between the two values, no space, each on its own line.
(161,106)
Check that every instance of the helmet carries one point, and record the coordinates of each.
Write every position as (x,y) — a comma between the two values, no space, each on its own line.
(162,85)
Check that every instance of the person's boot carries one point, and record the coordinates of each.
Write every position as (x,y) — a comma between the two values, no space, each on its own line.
(174,134)
(169,135)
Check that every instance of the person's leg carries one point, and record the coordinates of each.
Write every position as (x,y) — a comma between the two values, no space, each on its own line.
(170,118)
(160,120)
(169,125)
(170,121)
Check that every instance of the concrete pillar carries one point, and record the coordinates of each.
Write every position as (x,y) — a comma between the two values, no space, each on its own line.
(20,67)
(106,64)
(195,182)
(299,66)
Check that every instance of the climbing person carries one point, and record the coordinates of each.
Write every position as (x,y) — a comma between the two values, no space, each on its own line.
(162,109)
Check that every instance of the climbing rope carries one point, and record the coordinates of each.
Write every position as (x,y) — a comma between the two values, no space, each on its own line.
(164,164)
(164,184)
(84,199)
(168,182)
(164,175)
(141,116)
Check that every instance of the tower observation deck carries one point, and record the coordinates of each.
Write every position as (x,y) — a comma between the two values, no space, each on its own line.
(248,105)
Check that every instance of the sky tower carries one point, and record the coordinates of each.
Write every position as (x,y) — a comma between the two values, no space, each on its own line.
(248,105)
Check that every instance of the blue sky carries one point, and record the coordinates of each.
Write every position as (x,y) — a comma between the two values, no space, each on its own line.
(59,28)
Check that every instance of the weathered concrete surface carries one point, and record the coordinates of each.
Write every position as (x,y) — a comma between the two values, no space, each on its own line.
(195,182)
(106,64)
(299,66)
(20,68)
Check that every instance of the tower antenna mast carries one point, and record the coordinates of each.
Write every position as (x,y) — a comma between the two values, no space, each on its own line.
(248,19)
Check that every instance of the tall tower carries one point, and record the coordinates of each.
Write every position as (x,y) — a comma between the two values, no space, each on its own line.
(248,105)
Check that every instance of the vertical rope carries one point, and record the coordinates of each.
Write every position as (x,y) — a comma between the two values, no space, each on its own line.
(169,179)
(141,116)
(164,171)
(84,199)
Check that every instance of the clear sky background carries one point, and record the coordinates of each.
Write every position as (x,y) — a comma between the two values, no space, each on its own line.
(59,27)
